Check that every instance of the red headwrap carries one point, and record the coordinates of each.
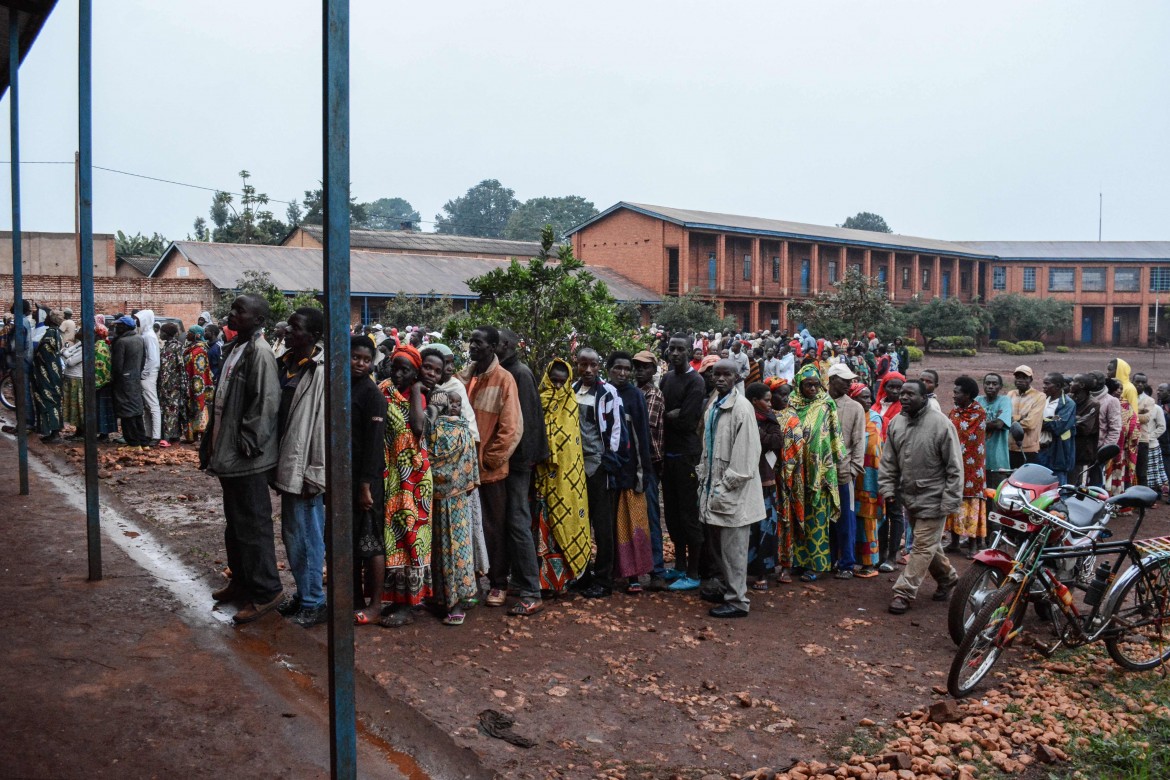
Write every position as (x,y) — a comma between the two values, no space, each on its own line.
(774,383)
(888,409)
(855,389)
(410,353)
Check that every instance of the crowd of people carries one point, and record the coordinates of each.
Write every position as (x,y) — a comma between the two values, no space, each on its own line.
(757,458)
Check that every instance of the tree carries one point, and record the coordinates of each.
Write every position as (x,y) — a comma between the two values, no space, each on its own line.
(254,224)
(391,214)
(201,231)
(551,303)
(949,317)
(315,213)
(293,214)
(139,245)
(1017,317)
(483,211)
(530,218)
(866,220)
(280,306)
(689,313)
(858,304)
(431,311)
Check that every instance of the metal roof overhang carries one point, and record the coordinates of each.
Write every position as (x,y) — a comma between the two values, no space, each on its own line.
(31,16)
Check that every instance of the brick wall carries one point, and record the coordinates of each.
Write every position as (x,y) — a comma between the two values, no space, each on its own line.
(631,244)
(182,298)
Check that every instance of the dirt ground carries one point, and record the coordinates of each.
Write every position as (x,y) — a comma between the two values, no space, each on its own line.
(647,685)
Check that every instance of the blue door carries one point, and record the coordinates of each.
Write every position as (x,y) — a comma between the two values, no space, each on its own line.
(946,284)
(805,273)
(1086,330)
(712,272)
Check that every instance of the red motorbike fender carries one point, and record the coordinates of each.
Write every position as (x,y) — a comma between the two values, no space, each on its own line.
(996,559)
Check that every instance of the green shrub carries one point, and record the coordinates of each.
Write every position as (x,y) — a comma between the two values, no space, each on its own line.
(1009,348)
(1031,347)
(1062,349)
(915,354)
(969,352)
(942,343)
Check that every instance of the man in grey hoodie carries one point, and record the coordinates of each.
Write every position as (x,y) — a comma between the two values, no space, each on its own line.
(153,414)
(240,447)
(922,467)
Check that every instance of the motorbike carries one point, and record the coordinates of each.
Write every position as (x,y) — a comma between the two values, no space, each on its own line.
(1038,486)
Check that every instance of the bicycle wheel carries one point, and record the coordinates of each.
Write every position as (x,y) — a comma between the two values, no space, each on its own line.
(971,591)
(8,393)
(1139,631)
(987,637)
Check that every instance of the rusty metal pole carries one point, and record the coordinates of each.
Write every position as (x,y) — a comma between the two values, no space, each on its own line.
(338,418)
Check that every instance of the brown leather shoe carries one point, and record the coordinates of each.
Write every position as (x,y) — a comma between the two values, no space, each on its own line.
(899,605)
(229,592)
(256,611)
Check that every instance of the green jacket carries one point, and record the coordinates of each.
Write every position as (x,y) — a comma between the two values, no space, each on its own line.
(922,464)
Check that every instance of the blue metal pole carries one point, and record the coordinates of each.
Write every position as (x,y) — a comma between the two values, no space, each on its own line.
(19,378)
(339,492)
(93,531)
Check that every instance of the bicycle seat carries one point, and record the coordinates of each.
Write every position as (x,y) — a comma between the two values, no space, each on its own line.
(1136,497)
(1083,512)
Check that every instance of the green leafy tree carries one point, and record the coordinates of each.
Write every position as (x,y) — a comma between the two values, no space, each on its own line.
(201,231)
(483,211)
(690,313)
(293,214)
(857,305)
(550,302)
(532,215)
(866,220)
(252,223)
(1017,317)
(949,317)
(391,214)
(139,245)
(313,203)
(260,283)
(431,311)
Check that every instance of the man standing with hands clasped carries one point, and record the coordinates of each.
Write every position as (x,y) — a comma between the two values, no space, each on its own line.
(731,497)
(922,465)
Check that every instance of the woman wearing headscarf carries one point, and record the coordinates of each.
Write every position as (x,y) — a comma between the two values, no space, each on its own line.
(408,490)
(789,475)
(823,450)
(172,385)
(199,382)
(887,402)
(561,514)
(47,379)
(72,401)
(1121,472)
(970,421)
(869,502)
(107,421)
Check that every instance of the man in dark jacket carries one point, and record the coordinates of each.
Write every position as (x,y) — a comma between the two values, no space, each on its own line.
(1087,425)
(127,357)
(240,447)
(517,552)
(683,391)
(1058,431)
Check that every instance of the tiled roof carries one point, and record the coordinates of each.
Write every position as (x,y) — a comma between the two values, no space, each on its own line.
(295,269)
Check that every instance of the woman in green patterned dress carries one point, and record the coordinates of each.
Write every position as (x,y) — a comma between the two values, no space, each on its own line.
(823,450)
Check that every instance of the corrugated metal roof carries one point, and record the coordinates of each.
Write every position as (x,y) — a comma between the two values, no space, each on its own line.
(294,269)
(31,16)
(142,263)
(1075,251)
(708,220)
(432,242)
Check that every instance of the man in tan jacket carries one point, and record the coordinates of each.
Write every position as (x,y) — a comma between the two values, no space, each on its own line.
(1028,410)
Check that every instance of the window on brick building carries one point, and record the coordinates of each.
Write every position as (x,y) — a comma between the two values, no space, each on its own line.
(712,270)
(1127,280)
(1160,280)
(1029,280)
(884,277)
(747,268)
(775,269)
(1061,280)
(925,279)
(964,280)
(906,278)
(182,271)
(832,272)
(999,278)
(1093,279)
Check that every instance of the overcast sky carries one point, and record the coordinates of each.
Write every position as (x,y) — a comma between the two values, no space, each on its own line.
(992,120)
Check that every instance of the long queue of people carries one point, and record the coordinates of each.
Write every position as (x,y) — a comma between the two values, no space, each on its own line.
(762,459)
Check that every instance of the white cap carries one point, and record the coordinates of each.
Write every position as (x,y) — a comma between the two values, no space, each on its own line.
(841,370)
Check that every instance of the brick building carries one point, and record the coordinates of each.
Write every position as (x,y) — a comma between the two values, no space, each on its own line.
(412,242)
(754,268)
(55,254)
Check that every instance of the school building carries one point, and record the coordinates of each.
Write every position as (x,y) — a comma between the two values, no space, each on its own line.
(755,267)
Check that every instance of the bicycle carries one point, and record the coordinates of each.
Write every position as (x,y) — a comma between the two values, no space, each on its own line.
(1129,609)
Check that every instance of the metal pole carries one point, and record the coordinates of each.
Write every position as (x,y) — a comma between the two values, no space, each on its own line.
(339,493)
(85,260)
(19,375)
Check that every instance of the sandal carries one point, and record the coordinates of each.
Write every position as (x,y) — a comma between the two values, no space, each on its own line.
(785,577)
(454,619)
(525,607)
(866,572)
(843,574)
(760,585)
(496,598)
(396,619)
(808,576)
(164,443)
(634,588)
(885,567)
(360,618)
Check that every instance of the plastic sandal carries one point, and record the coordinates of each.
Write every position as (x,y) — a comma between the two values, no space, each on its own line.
(886,567)
(163,443)
(362,619)
(760,585)
(785,578)
(634,588)
(454,619)
(844,574)
(808,576)
(525,607)
(496,598)
(866,572)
